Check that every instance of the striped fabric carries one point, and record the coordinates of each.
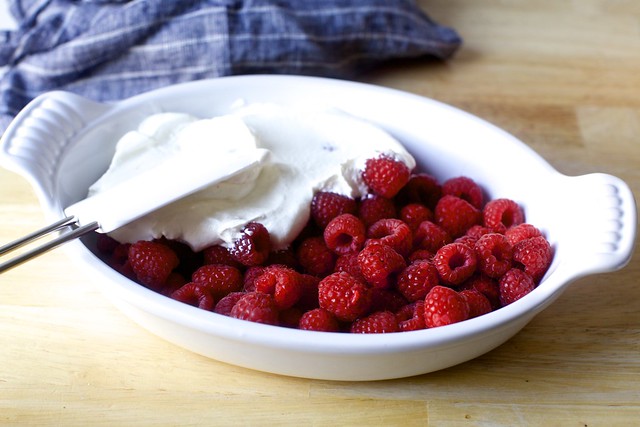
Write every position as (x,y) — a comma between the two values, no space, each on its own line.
(109,49)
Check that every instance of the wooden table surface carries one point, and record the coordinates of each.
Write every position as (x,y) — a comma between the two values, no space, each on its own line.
(562,76)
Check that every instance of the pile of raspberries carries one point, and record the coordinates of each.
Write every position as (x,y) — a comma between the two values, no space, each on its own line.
(412,254)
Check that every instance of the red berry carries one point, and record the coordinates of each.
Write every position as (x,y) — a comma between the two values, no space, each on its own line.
(281,282)
(315,257)
(256,307)
(430,236)
(225,305)
(253,247)
(386,299)
(218,254)
(494,253)
(349,264)
(486,286)
(444,306)
(411,317)
(326,205)
(250,276)
(374,208)
(415,281)
(455,262)
(414,213)
(420,254)
(106,244)
(380,322)
(152,262)
(345,234)
(535,255)
(380,264)
(478,303)
(220,279)
(514,285)
(500,214)
(283,257)
(391,232)
(456,215)
(422,188)
(385,175)
(309,292)
(195,294)
(521,232)
(344,296)
(466,189)
(319,319)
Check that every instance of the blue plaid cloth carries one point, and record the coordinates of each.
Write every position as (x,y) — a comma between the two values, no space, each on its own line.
(110,50)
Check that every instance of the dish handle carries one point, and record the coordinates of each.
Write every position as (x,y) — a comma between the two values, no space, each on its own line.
(33,143)
(600,224)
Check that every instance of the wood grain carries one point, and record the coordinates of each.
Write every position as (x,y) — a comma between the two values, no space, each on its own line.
(562,76)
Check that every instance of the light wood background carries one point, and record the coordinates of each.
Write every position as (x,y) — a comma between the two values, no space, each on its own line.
(562,76)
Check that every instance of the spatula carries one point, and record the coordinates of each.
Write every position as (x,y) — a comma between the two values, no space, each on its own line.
(133,198)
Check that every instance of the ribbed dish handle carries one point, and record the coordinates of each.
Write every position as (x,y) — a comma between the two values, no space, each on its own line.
(35,140)
(601,224)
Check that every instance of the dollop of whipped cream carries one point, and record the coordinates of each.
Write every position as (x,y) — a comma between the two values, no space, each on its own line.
(304,152)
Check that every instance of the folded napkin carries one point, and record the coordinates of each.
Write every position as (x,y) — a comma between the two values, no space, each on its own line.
(113,49)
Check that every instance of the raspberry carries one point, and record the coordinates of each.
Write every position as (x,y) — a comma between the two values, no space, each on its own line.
(349,264)
(218,254)
(315,257)
(455,262)
(309,292)
(256,307)
(345,234)
(521,232)
(250,276)
(477,231)
(225,305)
(414,213)
(188,260)
(319,319)
(415,281)
(456,215)
(391,232)
(173,282)
(422,188)
(411,317)
(195,294)
(290,317)
(380,322)
(281,282)
(326,205)
(514,285)
(220,279)
(486,286)
(444,306)
(385,176)
(500,214)
(466,189)
(430,236)
(152,262)
(494,254)
(535,255)
(344,296)
(106,244)
(477,302)
(283,257)
(374,208)
(383,299)
(420,254)
(380,264)
(253,247)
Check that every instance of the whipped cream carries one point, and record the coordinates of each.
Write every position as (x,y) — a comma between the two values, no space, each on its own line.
(302,152)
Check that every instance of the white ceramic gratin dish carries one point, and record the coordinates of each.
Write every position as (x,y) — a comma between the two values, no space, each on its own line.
(62,143)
